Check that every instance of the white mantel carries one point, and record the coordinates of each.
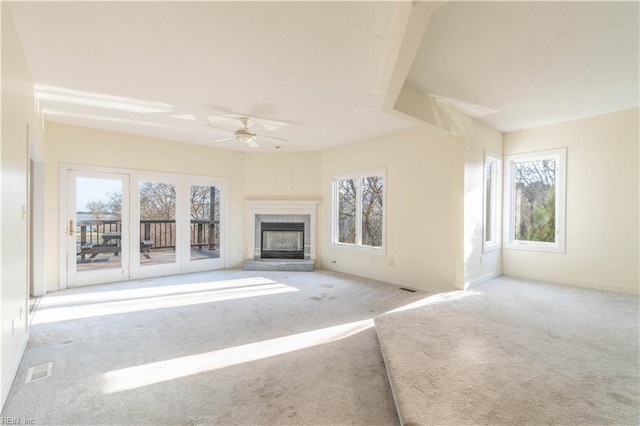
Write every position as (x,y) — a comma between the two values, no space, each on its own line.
(279,207)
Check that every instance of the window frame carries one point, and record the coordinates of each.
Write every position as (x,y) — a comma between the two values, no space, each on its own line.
(358,246)
(496,203)
(560,157)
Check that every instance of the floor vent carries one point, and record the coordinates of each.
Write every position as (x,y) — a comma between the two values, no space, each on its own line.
(408,289)
(39,372)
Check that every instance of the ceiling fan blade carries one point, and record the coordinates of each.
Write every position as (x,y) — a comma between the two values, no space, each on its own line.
(266,123)
(223,140)
(233,119)
(227,120)
(273,137)
(270,125)
(220,128)
(253,144)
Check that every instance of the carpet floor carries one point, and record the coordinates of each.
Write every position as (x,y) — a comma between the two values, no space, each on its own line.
(512,352)
(274,348)
(222,347)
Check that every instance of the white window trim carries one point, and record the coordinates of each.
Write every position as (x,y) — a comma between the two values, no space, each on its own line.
(380,251)
(496,200)
(560,156)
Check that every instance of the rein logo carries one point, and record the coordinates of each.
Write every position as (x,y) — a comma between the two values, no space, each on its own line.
(16,421)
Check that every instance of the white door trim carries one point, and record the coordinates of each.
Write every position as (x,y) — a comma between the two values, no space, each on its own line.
(37,209)
(183,181)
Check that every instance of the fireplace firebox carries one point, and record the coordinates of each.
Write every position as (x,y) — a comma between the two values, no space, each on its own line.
(282,240)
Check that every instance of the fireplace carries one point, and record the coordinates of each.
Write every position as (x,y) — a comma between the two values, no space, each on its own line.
(292,244)
(282,236)
(282,240)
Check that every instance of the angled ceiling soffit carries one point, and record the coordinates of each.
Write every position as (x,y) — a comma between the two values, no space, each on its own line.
(401,98)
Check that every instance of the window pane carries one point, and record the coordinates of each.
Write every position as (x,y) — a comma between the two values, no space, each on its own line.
(347,211)
(534,200)
(98,223)
(205,222)
(372,190)
(488,203)
(157,223)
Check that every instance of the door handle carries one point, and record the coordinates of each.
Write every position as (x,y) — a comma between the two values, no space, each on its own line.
(71,227)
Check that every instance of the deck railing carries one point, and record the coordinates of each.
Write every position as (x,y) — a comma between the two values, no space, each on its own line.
(204,233)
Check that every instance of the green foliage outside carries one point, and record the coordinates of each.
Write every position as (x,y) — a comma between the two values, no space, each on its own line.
(372,188)
(535,198)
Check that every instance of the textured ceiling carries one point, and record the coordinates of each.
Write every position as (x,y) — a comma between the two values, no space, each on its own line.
(316,70)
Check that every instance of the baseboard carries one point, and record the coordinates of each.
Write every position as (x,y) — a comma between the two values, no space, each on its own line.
(6,386)
(467,284)
(593,285)
(360,274)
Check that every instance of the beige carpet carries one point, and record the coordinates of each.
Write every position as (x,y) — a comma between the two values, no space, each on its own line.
(236,347)
(224,347)
(510,352)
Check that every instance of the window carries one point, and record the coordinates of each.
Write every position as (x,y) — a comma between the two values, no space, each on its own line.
(358,205)
(491,206)
(536,201)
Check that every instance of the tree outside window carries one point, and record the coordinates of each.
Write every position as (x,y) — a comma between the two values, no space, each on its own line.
(359,207)
(537,184)
(535,200)
(347,211)
(491,203)
(372,191)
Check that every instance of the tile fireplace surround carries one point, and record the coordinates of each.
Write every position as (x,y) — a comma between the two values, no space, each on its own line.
(258,211)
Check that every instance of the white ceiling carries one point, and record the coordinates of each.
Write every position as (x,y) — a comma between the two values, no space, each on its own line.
(318,68)
(518,65)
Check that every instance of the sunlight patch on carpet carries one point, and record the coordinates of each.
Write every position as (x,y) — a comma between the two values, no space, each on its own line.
(91,295)
(162,371)
(66,313)
(437,299)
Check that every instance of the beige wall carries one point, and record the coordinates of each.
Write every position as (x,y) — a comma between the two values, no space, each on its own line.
(85,146)
(602,203)
(421,202)
(18,112)
(420,160)
(477,265)
(282,176)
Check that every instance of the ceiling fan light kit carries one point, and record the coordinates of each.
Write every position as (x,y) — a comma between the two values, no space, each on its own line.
(244,135)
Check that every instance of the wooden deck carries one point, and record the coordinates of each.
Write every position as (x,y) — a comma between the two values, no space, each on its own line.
(110,260)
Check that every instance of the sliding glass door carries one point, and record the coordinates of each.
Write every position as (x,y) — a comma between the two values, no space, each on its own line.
(96,232)
(135,225)
(205,231)
(156,226)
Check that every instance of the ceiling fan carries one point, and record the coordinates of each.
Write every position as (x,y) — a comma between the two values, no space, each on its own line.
(243,134)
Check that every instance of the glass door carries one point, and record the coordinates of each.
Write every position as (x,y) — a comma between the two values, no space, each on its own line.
(156,227)
(204,227)
(128,225)
(97,227)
